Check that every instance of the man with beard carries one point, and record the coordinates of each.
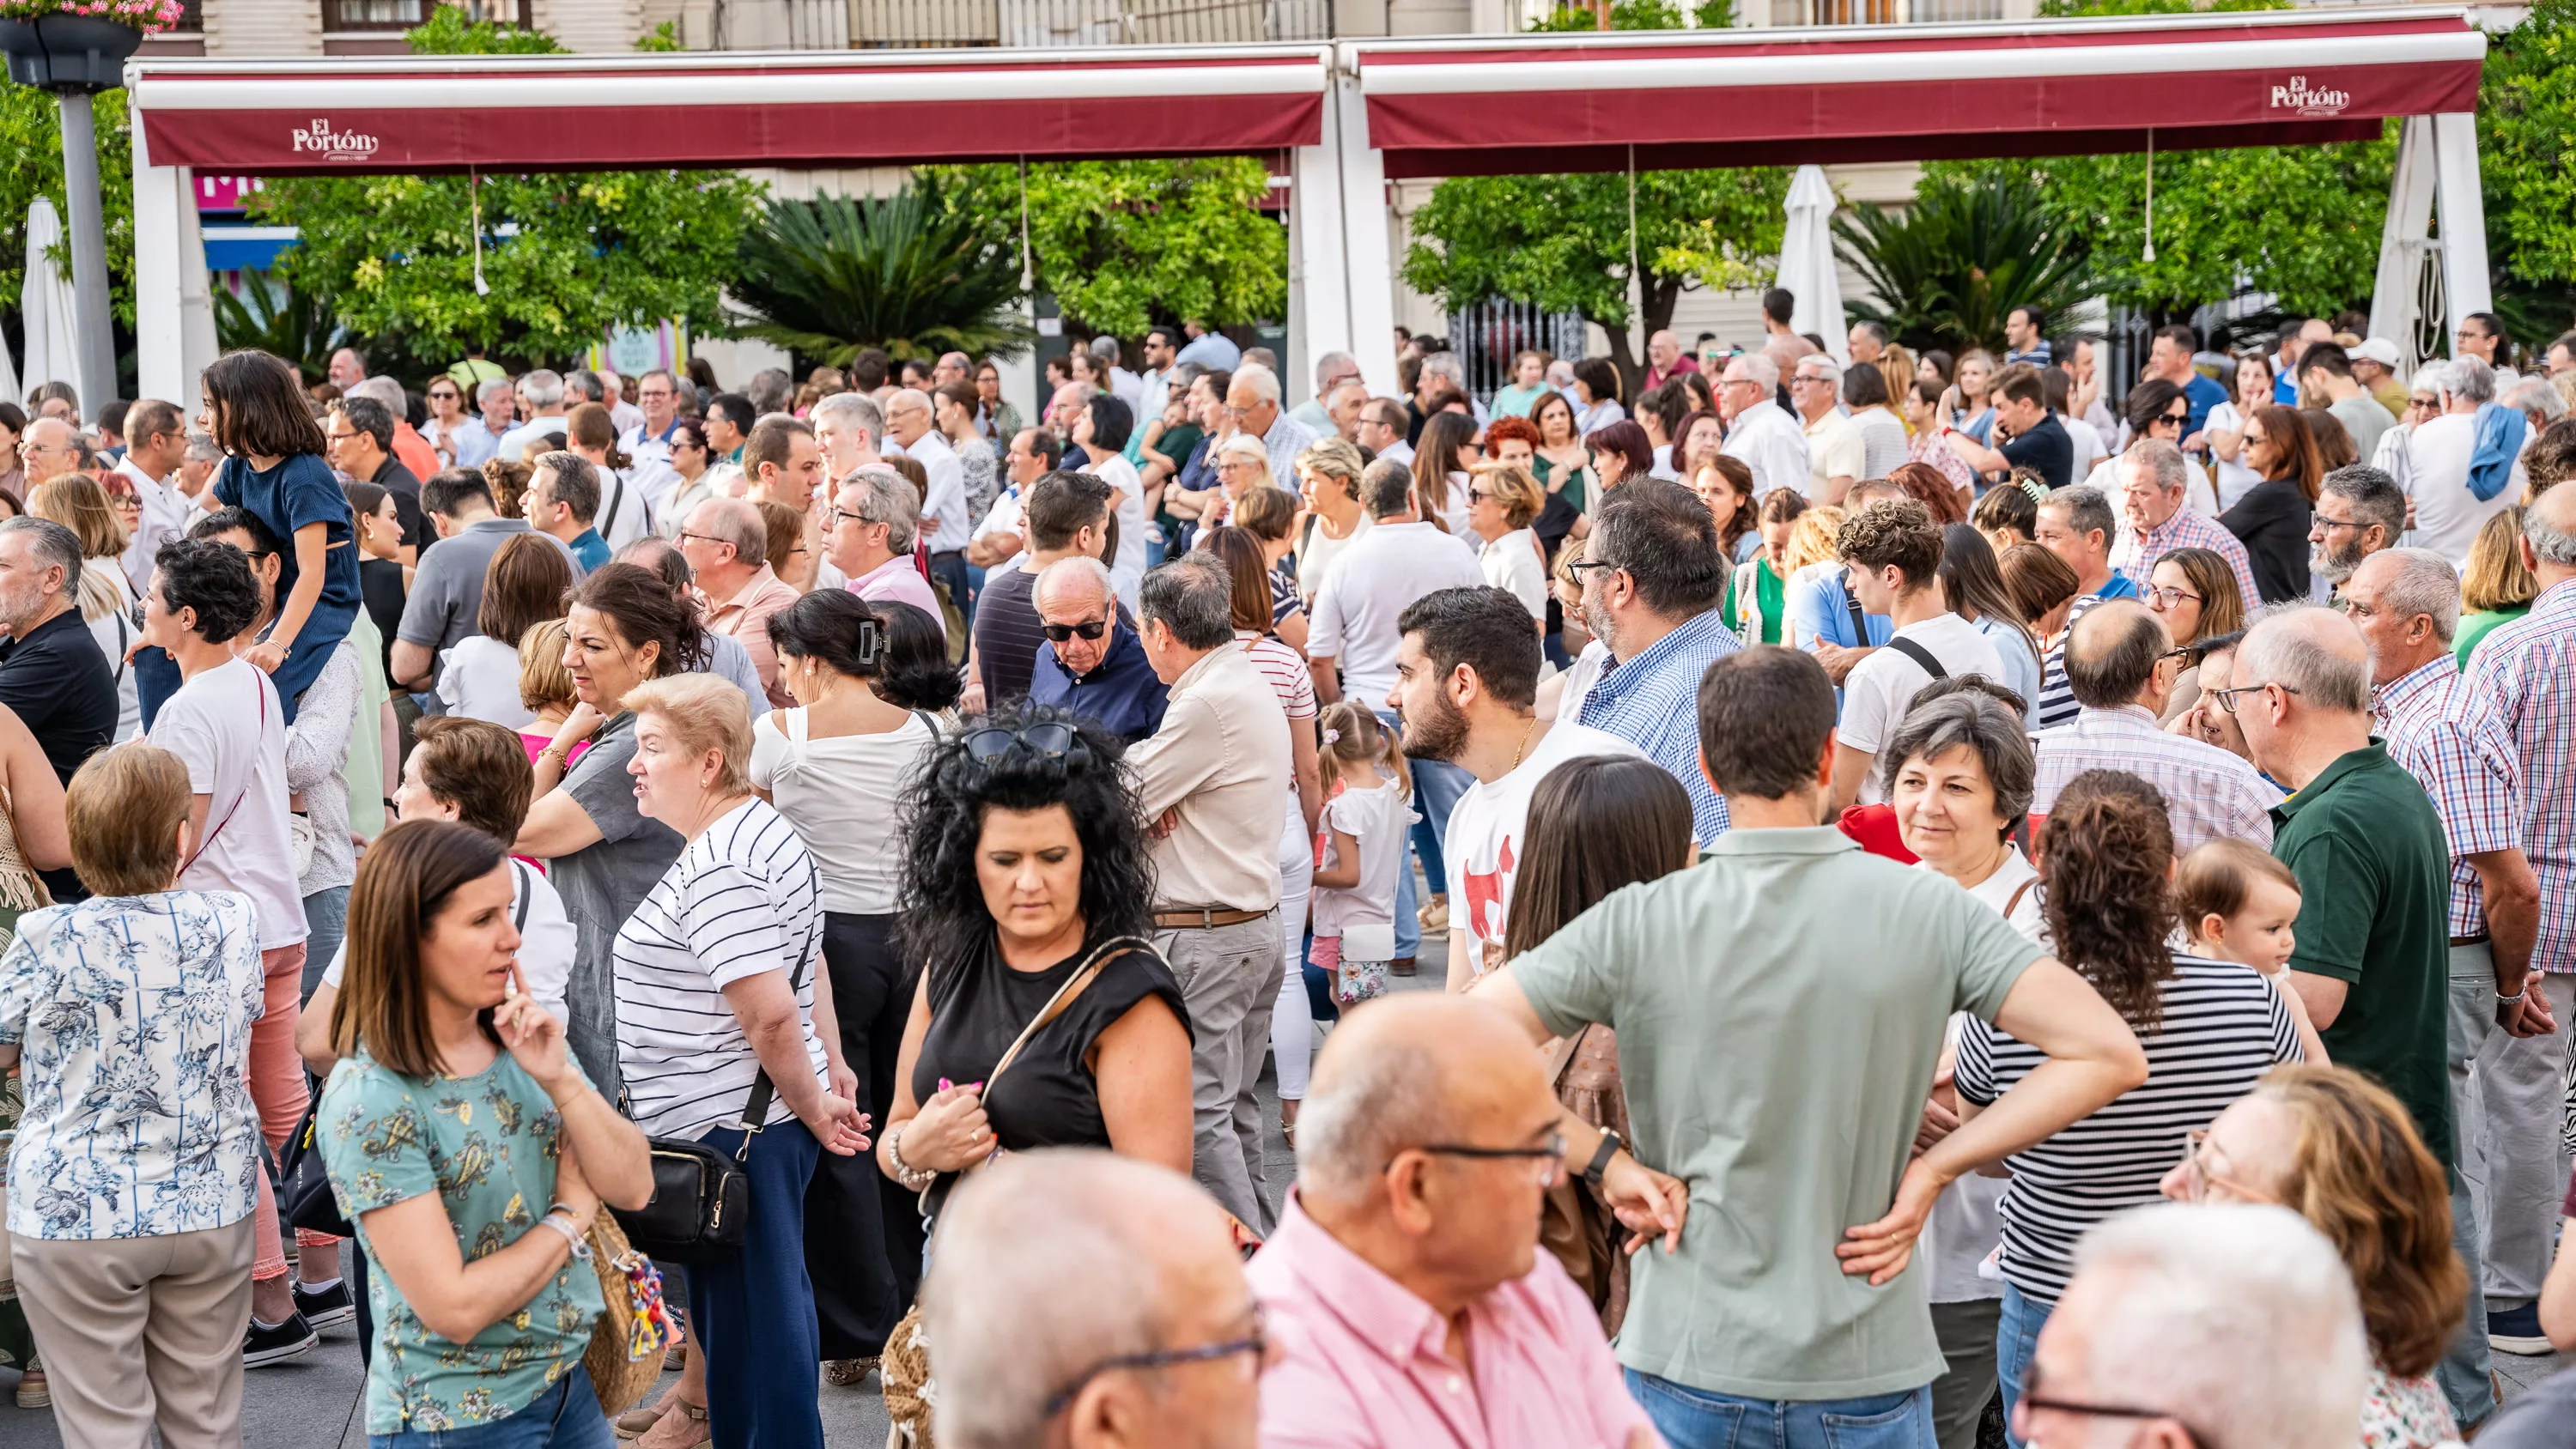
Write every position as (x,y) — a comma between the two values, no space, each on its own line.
(2360,511)
(1466,686)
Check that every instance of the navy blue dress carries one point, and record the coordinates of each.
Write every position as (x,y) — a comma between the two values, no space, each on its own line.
(299,491)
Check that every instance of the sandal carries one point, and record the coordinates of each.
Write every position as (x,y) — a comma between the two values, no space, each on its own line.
(33,1392)
(843,1372)
(683,1425)
(642,1417)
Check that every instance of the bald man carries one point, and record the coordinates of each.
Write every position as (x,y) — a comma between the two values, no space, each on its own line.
(727,544)
(1092,662)
(1404,1285)
(49,448)
(1091,1301)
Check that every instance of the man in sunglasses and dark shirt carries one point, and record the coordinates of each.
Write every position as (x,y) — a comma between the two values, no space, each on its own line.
(1091,662)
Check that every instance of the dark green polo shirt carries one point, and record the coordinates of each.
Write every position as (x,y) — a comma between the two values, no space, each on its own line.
(2374,912)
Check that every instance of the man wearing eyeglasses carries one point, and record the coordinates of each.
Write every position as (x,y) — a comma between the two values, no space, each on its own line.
(2190,1327)
(648,442)
(156,444)
(1092,662)
(1405,1285)
(2154,476)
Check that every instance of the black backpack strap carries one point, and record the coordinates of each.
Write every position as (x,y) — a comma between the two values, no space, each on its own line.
(519,913)
(1860,623)
(1919,655)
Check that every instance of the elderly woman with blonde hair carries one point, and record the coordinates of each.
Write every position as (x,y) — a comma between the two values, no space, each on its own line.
(1503,500)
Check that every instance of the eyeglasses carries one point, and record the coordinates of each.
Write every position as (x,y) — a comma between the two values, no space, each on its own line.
(2198,1176)
(1577,566)
(2227,697)
(1547,1155)
(2034,1400)
(842,515)
(1048,741)
(1257,1345)
(2319,520)
(2164,598)
(685,536)
(1088,629)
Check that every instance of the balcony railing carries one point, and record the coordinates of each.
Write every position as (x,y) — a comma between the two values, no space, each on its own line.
(353,15)
(915,24)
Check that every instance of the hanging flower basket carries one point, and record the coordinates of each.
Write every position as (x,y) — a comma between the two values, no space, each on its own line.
(77,45)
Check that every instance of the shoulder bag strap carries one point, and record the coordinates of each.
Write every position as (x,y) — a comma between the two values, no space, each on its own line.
(1860,622)
(237,799)
(616,503)
(2019,891)
(1073,985)
(519,913)
(755,1108)
(1912,650)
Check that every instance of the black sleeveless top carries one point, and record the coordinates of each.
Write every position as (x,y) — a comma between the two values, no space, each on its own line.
(1048,1098)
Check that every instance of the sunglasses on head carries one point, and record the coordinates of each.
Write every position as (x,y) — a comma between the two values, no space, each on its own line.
(1088,629)
(1059,743)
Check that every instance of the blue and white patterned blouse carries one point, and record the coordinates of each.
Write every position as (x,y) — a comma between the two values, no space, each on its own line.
(133,1016)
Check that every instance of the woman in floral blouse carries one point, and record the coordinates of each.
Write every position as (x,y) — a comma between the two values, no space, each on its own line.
(470,1151)
(2335,1147)
(135,1169)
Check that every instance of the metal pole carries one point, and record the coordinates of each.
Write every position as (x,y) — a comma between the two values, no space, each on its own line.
(97,380)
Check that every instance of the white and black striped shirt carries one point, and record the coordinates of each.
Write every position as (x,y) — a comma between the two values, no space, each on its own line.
(2222,1027)
(741,900)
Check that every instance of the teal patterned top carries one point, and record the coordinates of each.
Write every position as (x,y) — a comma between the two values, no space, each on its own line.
(486,1144)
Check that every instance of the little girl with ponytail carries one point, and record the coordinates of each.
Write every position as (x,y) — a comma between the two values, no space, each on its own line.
(1361,848)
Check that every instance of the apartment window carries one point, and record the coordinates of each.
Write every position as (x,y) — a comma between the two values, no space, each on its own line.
(344,15)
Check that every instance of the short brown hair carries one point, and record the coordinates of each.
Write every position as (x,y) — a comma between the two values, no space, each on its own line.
(123,809)
(1267,513)
(772,440)
(480,768)
(2021,383)
(1892,531)
(783,529)
(403,884)
(706,713)
(2216,878)
(2039,580)
(525,583)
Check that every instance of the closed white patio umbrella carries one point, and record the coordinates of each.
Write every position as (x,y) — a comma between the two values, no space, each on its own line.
(45,306)
(1807,263)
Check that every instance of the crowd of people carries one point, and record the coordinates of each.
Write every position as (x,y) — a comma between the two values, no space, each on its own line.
(1960,916)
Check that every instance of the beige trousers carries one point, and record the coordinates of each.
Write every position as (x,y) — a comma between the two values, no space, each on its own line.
(136,1332)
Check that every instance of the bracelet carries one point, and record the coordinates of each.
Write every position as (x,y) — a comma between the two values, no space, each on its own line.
(906,1176)
(563,1225)
(2513,1000)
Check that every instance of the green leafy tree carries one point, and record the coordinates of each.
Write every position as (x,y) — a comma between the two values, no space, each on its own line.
(1561,241)
(1124,244)
(279,321)
(564,256)
(2527,154)
(829,277)
(31,141)
(1957,262)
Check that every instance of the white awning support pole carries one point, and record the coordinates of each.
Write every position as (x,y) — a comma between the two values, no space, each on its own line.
(2466,287)
(1341,272)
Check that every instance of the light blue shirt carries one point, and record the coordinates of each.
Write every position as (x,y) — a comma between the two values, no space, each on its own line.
(1652,702)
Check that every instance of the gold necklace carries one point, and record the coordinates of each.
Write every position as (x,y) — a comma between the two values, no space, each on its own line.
(1526,732)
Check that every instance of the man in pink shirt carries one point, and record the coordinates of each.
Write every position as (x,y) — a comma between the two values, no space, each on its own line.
(874,519)
(1406,1299)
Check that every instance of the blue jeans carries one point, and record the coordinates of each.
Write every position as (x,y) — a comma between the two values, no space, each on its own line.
(753,1314)
(564,1417)
(1437,785)
(2016,1339)
(1701,1419)
(326,923)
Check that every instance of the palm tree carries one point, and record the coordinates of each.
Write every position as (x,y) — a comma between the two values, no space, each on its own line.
(829,277)
(269,315)
(1956,263)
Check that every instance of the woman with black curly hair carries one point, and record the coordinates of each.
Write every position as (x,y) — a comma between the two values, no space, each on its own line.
(2211,1029)
(1043,1018)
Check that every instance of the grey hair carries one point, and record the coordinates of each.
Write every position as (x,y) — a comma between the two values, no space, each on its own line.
(1105,348)
(2106,673)
(1385,490)
(909,397)
(54,545)
(2425,583)
(2432,377)
(1325,367)
(1356,1119)
(2552,543)
(2233,1318)
(2162,460)
(492,386)
(202,448)
(1042,1271)
(2275,652)
(2374,496)
(589,384)
(1183,374)
(2531,395)
(1261,382)
(888,499)
(1979,723)
(544,387)
(576,482)
(1444,364)
(1758,368)
(1082,566)
(1826,368)
(1193,596)
(383,389)
(2470,378)
(731,520)
(2087,511)
(859,409)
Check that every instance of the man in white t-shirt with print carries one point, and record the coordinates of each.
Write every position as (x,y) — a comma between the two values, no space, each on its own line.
(1891,554)
(1467,687)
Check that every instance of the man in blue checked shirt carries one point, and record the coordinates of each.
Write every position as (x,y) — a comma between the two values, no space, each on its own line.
(1652,582)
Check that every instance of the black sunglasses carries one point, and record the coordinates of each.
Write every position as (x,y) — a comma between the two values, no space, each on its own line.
(1088,629)
(1048,741)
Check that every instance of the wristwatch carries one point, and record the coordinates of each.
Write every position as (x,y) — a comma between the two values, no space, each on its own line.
(1600,1163)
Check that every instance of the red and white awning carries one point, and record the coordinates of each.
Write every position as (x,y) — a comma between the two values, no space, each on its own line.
(363,115)
(1763,97)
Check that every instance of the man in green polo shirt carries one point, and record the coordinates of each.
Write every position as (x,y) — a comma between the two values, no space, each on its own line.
(2373,955)
(1780,1011)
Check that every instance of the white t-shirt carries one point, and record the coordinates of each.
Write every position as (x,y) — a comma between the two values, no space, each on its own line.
(1513,562)
(1003,516)
(1882,686)
(1377,819)
(547,432)
(2235,479)
(2089,447)
(1127,570)
(547,939)
(1316,552)
(946,497)
(741,900)
(2447,515)
(841,795)
(226,726)
(1484,845)
(1370,586)
(479,679)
